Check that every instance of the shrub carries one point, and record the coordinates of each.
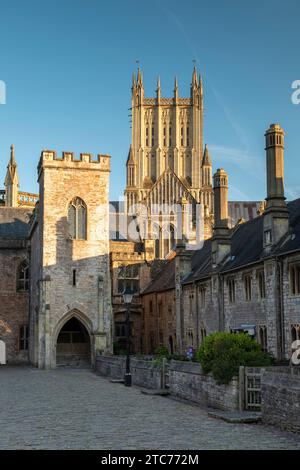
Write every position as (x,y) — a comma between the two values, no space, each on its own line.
(222,353)
(161,351)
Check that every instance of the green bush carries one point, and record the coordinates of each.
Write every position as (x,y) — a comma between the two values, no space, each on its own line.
(161,351)
(222,354)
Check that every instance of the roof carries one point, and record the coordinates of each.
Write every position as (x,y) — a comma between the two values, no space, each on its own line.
(165,280)
(292,242)
(246,249)
(14,222)
(201,263)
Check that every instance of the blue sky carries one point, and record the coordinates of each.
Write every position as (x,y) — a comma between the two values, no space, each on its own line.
(67,65)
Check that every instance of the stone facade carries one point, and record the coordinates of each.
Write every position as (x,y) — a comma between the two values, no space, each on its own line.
(281,398)
(244,278)
(70,273)
(14,296)
(187,381)
(128,268)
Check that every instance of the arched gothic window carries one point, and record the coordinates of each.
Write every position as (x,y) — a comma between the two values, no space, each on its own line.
(23,276)
(77,219)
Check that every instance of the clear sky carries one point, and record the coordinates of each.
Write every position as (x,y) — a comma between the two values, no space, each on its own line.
(67,65)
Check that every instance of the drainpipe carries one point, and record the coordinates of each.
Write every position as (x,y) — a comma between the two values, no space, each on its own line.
(221,302)
(280,308)
(197,314)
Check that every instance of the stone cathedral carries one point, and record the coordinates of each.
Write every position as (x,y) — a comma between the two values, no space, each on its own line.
(167,161)
(62,274)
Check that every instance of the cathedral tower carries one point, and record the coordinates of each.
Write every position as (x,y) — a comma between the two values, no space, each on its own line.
(166,161)
(167,133)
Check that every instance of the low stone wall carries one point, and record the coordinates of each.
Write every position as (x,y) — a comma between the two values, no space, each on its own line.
(187,381)
(111,366)
(144,373)
(281,397)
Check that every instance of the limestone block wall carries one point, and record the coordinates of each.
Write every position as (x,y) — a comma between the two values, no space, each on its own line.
(244,311)
(281,397)
(187,381)
(14,304)
(144,373)
(61,180)
(291,303)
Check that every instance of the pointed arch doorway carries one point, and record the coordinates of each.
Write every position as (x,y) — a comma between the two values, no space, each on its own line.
(73,348)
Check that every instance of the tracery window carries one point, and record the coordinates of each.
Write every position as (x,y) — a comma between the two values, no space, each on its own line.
(77,219)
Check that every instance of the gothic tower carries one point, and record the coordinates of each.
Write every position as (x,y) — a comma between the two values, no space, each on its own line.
(166,161)
(167,133)
(11,181)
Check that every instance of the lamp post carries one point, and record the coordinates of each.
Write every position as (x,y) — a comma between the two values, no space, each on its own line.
(127,298)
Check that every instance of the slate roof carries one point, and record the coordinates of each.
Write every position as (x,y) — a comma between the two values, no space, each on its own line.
(14,223)
(293,242)
(246,248)
(164,281)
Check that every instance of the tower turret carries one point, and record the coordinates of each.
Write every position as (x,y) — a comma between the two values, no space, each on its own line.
(11,181)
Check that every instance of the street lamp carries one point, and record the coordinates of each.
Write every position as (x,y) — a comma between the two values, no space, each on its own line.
(127,299)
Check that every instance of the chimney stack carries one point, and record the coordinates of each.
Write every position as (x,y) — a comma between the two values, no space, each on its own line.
(221,235)
(276,215)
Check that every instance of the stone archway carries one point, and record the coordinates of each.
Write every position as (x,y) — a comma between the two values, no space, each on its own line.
(73,346)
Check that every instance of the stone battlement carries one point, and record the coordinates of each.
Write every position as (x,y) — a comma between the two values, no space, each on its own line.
(48,156)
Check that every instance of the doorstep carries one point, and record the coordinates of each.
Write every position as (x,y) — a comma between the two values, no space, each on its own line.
(236,416)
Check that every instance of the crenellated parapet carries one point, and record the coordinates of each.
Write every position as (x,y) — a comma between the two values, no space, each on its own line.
(69,159)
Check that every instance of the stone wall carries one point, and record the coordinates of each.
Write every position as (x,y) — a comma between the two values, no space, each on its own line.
(61,256)
(111,366)
(144,373)
(14,304)
(281,397)
(187,381)
(159,321)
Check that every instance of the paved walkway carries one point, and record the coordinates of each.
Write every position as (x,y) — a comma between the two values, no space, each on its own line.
(76,409)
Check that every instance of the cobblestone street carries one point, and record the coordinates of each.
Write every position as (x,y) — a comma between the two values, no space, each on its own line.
(76,409)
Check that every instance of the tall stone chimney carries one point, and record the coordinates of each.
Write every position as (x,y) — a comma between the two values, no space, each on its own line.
(221,236)
(276,215)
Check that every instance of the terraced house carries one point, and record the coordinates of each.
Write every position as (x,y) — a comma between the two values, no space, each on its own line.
(245,278)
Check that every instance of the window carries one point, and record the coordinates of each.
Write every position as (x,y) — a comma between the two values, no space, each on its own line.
(23,277)
(202,334)
(268,237)
(170,136)
(77,219)
(128,276)
(295,332)
(74,280)
(23,338)
(261,284)
(151,306)
(152,136)
(181,134)
(202,290)
(247,287)
(295,279)
(262,337)
(187,136)
(231,290)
